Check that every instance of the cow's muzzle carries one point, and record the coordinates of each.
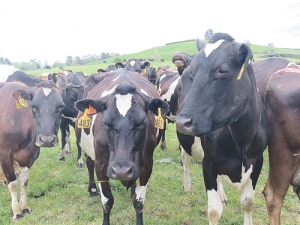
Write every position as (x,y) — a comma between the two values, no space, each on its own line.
(46,141)
(184,125)
(121,171)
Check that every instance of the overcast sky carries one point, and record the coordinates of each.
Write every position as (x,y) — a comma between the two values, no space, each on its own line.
(51,30)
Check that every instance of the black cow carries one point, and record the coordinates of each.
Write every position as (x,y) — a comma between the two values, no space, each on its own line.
(133,65)
(151,74)
(122,136)
(222,105)
(108,69)
(30,119)
(74,92)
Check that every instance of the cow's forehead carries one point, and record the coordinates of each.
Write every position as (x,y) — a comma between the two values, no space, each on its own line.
(210,47)
(132,63)
(123,103)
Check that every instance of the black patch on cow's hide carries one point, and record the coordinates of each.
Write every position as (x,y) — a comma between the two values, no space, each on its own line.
(219,36)
(125,88)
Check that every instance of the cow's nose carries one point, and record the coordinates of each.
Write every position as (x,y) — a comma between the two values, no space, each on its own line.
(47,141)
(184,124)
(121,172)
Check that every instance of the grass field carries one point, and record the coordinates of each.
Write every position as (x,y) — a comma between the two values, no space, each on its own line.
(57,194)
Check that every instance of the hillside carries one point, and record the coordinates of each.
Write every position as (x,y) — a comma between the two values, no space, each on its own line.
(165,52)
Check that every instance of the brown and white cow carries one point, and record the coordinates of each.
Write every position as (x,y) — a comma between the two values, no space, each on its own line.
(30,119)
(120,134)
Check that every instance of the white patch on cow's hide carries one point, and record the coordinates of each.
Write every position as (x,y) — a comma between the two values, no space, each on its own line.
(66,72)
(140,192)
(87,141)
(132,63)
(209,48)
(238,186)
(143,91)
(46,91)
(117,77)
(197,150)
(123,103)
(171,90)
(104,200)
(70,118)
(109,91)
(215,206)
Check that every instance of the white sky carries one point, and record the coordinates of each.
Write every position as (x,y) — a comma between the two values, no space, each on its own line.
(50,30)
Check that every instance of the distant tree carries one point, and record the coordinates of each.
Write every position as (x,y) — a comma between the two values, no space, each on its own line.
(57,64)
(76,61)
(156,55)
(5,61)
(69,60)
(208,34)
(247,42)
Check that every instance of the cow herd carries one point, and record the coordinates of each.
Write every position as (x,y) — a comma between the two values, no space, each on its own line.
(227,109)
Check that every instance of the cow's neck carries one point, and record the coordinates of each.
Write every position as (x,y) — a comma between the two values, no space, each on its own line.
(246,127)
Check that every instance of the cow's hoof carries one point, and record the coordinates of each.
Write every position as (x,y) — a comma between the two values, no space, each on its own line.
(62,159)
(93,194)
(163,146)
(26,211)
(17,217)
(68,153)
(80,165)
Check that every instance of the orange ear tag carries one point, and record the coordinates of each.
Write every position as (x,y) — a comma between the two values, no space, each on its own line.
(84,121)
(21,103)
(91,110)
(159,122)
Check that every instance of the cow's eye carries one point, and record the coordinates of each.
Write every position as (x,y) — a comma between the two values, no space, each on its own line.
(222,72)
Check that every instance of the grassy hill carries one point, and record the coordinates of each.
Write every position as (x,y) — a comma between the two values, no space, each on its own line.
(165,52)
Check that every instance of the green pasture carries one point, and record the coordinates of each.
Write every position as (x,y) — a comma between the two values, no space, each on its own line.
(57,194)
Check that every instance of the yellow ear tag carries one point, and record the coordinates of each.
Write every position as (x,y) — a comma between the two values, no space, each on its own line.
(145,71)
(21,103)
(241,72)
(84,121)
(159,122)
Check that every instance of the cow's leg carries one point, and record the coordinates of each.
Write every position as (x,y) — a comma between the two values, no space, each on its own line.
(107,200)
(215,206)
(67,147)
(222,192)
(138,195)
(185,157)
(79,155)
(247,198)
(280,176)
(163,144)
(92,185)
(63,131)
(23,178)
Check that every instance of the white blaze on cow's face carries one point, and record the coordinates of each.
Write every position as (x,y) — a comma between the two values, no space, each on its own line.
(132,63)
(46,91)
(209,48)
(123,103)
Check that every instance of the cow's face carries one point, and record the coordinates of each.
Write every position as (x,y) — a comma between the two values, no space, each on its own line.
(47,104)
(151,72)
(128,120)
(213,95)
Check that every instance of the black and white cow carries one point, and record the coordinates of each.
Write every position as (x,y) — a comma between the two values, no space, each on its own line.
(222,105)
(116,129)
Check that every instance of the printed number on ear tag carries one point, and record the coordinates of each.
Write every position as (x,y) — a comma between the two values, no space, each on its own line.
(84,121)
(159,122)
(21,103)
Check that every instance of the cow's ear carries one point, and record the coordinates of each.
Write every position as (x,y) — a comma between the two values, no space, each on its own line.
(61,83)
(101,71)
(156,103)
(145,65)
(22,94)
(244,54)
(200,44)
(94,106)
(119,65)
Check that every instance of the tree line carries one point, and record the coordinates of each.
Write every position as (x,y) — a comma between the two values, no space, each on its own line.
(34,64)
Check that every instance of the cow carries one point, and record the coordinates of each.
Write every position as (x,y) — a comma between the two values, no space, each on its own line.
(282,107)
(74,92)
(30,119)
(133,65)
(74,87)
(151,74)
(223,107)
(109,68)
(120,135)
(182,60)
